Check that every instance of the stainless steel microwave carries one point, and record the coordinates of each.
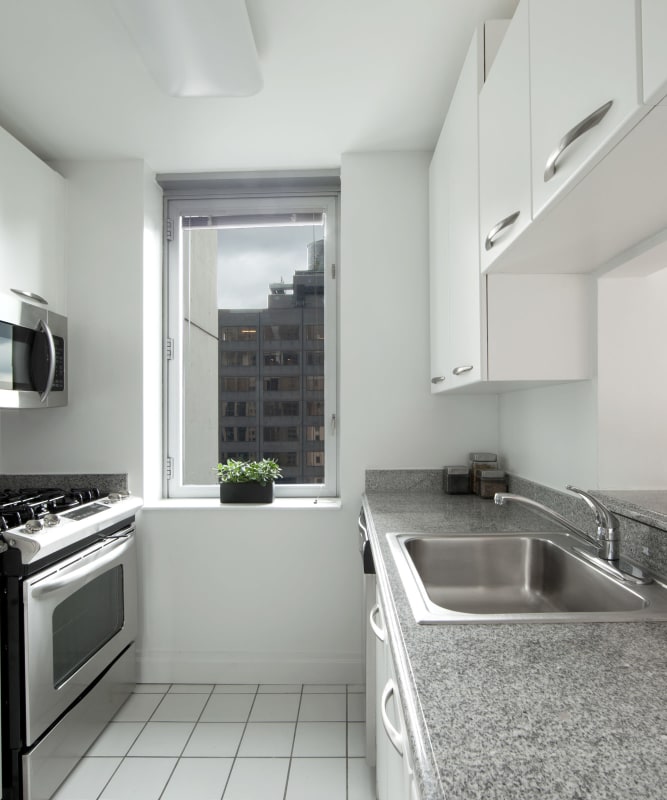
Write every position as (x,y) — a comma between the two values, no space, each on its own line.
(33,355)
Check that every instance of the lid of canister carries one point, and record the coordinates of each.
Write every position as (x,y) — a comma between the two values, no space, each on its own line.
(457,470)
(491,474)
(483,457)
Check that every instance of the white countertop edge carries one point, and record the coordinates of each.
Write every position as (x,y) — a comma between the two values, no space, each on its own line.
(279,504)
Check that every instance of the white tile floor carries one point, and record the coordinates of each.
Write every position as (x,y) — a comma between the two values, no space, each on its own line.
(229,742)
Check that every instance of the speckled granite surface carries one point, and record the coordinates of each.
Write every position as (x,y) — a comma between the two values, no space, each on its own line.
(648,506)
(105,482)
(519,712)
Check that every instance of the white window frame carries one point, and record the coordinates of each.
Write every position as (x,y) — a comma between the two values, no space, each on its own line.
(177,207)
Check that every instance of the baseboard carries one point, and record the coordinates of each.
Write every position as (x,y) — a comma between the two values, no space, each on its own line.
(178,667)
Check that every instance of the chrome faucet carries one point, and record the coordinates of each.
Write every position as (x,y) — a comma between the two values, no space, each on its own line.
(608,531)
(608,540)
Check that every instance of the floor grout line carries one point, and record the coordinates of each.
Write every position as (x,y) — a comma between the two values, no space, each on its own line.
(237,758)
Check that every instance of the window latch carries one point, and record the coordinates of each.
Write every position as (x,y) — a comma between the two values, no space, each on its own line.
(333,423)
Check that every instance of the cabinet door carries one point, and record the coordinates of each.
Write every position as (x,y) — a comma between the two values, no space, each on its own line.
(463,275)
(504,143)
(32,202)
(583,55)
(438,253)
(382,743)
(654,56)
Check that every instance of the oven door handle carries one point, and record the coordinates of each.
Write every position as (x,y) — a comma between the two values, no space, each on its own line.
(111,552)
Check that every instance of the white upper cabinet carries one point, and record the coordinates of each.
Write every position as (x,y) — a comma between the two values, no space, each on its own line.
(32,219)
(438,255)
(598,180)
(492,333)
(504,143)
(463,278)
(654,31)
(583,87)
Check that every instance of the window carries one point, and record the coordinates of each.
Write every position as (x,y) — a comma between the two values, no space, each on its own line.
(251,299)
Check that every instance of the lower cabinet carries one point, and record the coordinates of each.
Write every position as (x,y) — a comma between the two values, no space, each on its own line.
(394,762)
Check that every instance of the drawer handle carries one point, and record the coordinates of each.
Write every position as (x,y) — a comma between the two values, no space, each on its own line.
(439,379)
(499,228)
(571,136)
(395,736)
(379,630)
(461,370)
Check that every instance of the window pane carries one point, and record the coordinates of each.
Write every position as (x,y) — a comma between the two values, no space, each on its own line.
(255,328)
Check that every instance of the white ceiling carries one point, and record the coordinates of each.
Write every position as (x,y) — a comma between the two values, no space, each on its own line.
(339,76)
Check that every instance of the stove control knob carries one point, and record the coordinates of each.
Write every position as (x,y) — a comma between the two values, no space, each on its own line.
(51,520)
(34,525)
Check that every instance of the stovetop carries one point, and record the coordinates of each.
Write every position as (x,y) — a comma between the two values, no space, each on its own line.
(40,522)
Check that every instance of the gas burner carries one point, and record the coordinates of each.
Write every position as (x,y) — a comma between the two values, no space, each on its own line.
(40,507)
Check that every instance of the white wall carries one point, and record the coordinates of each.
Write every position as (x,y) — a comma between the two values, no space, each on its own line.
(549,435)
(100,429)
(610,432)
(633,381)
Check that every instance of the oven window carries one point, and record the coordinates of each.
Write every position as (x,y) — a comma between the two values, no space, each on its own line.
(85,622)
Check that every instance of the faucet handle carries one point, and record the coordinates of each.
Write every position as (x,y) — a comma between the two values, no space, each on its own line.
(606,521)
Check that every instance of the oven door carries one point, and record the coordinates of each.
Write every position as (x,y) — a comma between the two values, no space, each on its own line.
(78,618)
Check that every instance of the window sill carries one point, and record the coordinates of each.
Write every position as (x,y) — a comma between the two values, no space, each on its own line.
(279,504)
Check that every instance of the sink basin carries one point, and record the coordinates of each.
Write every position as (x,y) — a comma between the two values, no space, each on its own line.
(527,577)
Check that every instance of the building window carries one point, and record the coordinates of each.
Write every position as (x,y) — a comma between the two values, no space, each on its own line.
(252,310)
(292,384)
(281,433)
(315,433)
(241,358)
(281,333)
(315,358)
(281,358)
(282,408)
(238,384)
(238,334)
(237,409)
(315,333)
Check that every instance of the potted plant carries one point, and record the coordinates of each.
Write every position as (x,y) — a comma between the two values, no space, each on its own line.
(247,481)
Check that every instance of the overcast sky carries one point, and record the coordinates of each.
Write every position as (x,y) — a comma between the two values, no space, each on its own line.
(249,259)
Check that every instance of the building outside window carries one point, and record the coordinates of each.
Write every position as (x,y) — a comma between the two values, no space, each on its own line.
(252,316)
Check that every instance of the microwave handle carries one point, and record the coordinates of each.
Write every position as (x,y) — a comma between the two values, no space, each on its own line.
(52,360)
(82,573)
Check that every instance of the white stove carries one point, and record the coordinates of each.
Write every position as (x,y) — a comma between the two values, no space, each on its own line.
(41,523)
(68,608)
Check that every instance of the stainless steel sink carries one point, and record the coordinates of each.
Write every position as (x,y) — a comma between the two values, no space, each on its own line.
(527,577)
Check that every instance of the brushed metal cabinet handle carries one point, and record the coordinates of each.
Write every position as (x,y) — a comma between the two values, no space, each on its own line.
(498,228)
(31,296)
(395,736)
(572,135)
(379,630)
(439,379)
(461,370)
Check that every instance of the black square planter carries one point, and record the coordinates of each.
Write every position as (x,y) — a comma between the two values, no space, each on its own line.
(250,492)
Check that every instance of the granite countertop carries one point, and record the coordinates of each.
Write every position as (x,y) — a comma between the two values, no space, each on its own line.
(519,712)
(645,505)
